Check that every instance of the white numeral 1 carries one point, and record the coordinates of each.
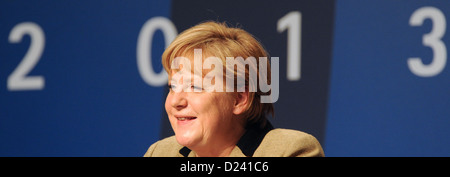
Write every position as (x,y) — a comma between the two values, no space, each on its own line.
(18,80)
(432,39)
(292,23)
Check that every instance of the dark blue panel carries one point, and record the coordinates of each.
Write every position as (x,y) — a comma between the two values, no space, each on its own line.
(302,103)
(377,106)
(94,102)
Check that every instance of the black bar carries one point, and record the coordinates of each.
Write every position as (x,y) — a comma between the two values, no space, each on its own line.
(228,166)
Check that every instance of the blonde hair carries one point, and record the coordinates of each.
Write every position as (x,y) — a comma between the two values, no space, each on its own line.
(221,41)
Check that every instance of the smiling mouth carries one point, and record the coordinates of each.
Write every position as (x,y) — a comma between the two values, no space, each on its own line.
(185,118)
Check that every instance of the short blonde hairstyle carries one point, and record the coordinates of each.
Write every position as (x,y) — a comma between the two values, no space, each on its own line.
(219,40)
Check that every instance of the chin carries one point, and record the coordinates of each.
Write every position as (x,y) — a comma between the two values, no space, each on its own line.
(184,140)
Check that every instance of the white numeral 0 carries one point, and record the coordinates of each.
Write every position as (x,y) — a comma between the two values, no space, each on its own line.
(292,22)
(18,80)
(432,39)
(144,47)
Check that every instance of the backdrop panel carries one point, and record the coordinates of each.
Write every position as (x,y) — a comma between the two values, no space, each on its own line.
(379,105)
(93,101)
(302,100)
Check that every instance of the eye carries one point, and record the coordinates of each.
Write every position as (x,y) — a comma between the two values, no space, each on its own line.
(172,87)
(195,88)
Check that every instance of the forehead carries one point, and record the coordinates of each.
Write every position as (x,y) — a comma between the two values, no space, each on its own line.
(183,76)
(194,62)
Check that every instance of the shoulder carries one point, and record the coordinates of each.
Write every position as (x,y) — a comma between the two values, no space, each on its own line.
(289,143)
(167,147)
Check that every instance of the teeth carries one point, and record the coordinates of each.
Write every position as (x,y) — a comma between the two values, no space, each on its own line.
(184,118)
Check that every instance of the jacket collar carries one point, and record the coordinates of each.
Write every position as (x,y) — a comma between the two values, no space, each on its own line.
(248,143)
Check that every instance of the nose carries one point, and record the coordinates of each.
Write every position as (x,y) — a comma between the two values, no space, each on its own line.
(178,100)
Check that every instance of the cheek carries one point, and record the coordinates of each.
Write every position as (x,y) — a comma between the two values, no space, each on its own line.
(169,110)
(167,103)
(215,110)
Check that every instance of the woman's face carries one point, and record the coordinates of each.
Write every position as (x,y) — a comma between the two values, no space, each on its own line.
(199,119)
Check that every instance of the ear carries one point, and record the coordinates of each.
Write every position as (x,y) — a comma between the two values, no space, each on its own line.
(241,102)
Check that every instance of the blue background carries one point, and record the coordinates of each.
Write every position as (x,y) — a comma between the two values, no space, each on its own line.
(377,106)
(95,103)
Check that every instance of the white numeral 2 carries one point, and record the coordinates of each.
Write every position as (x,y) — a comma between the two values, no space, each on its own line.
(432,39)
(18,80)
(292,23)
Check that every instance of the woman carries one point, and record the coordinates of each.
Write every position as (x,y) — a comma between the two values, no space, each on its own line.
(220,123)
